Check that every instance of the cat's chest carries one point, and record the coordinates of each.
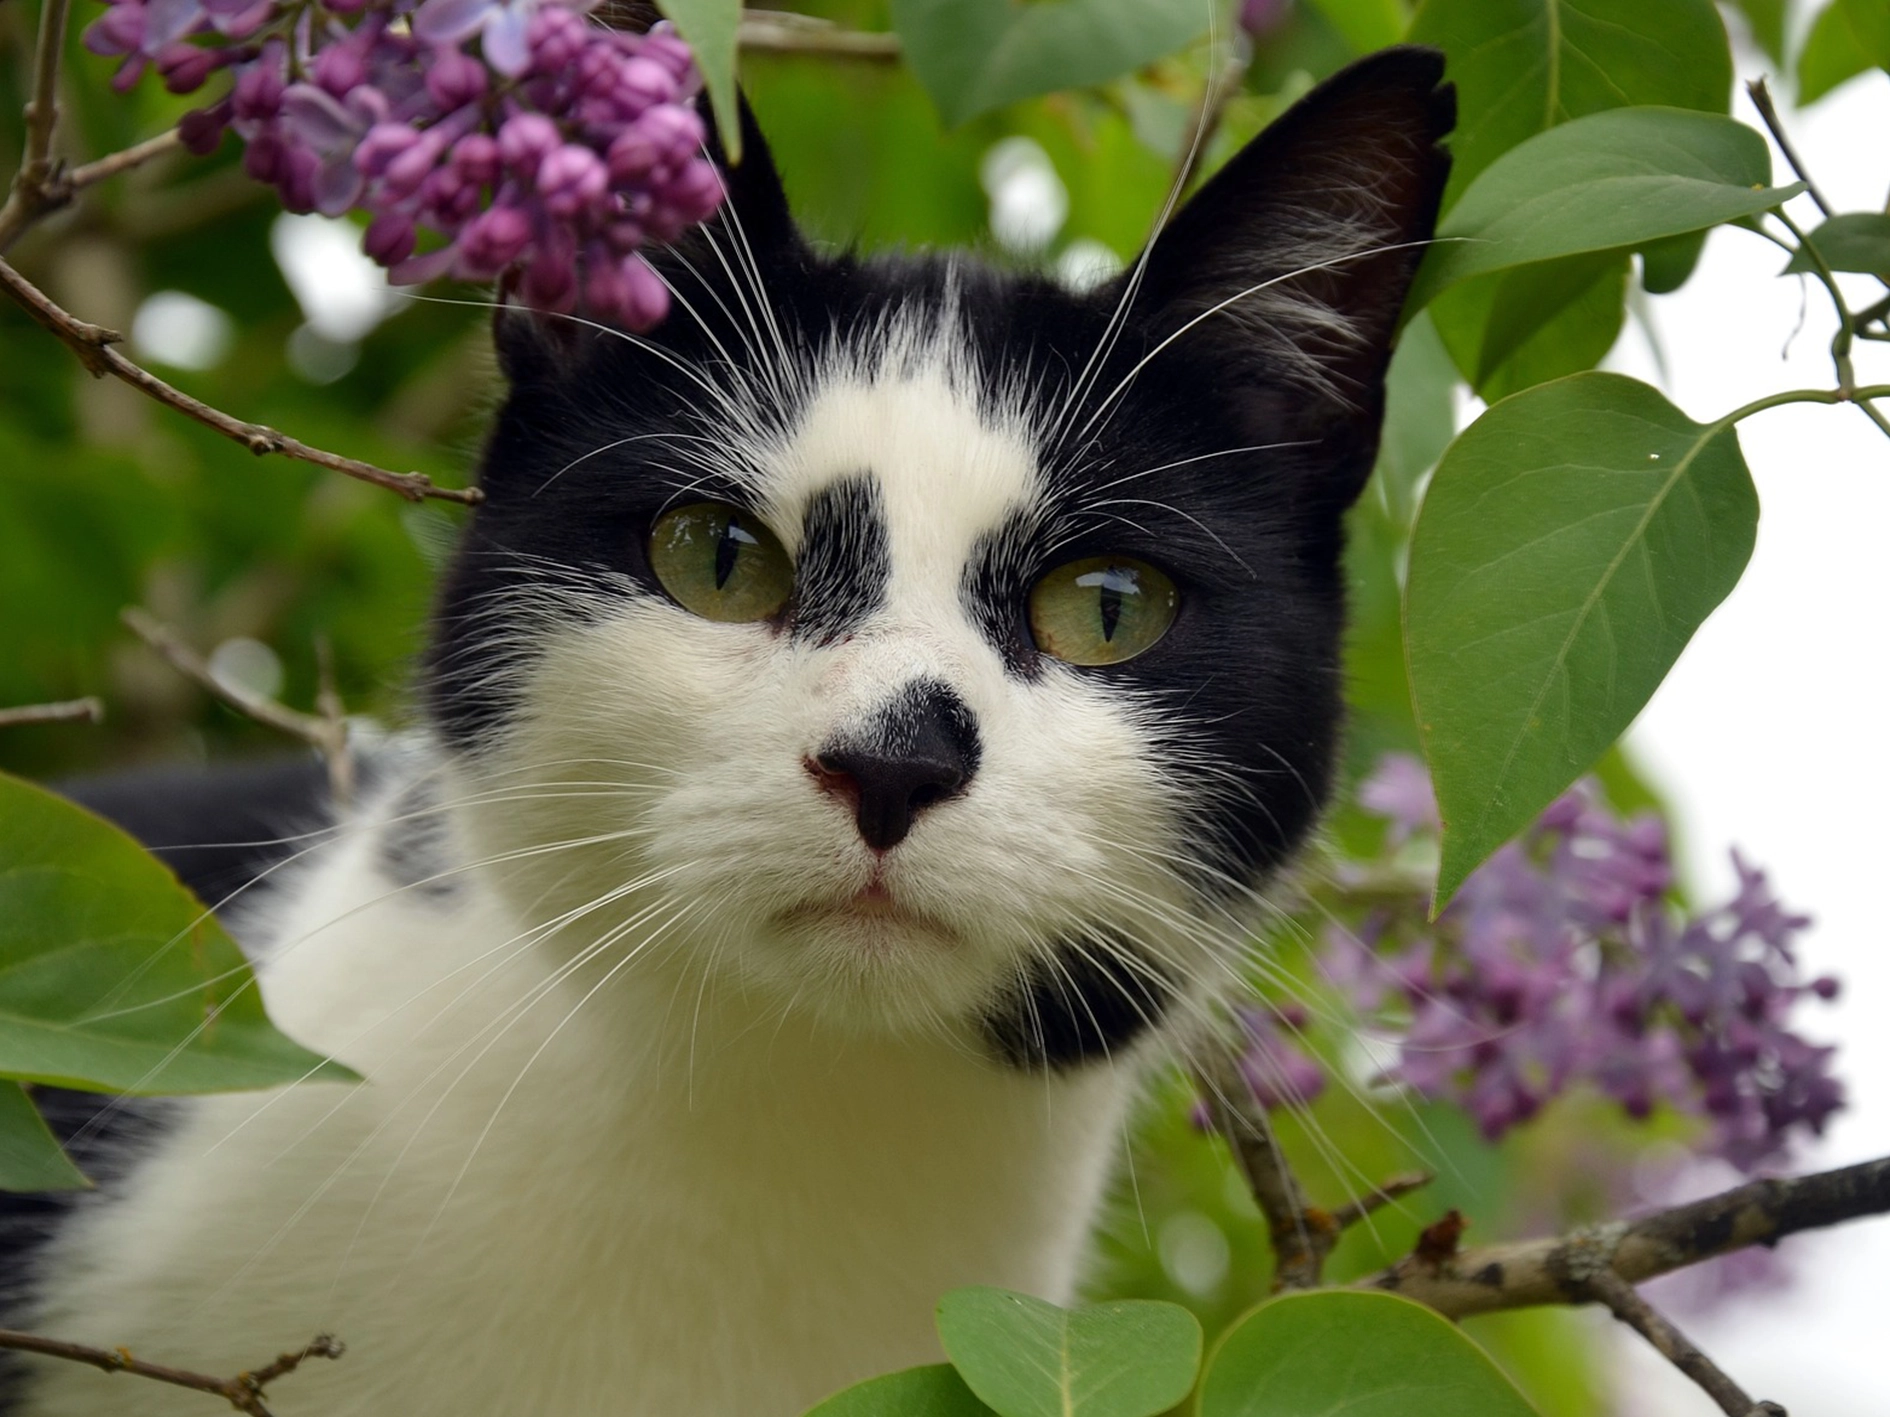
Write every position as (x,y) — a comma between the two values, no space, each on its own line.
(553,1195)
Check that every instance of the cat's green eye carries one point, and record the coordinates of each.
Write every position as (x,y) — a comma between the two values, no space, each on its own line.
(720,562)
(1102,610)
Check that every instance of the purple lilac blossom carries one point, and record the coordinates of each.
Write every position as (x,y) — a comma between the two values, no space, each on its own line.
(1562,963)
(548,162)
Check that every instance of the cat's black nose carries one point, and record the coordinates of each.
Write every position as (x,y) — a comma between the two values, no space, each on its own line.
(919,749)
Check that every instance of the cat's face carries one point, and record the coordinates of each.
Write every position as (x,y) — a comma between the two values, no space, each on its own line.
(933,648)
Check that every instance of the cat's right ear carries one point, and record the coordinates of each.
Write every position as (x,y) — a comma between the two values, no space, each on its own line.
(1289,267)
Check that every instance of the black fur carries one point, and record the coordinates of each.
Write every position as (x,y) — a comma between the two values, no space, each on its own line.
(1089,999)
(845,560)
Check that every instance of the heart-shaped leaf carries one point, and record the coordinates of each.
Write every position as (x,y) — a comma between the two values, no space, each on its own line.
(1366,1355)
(1616,179)
(1522,66)
(1849,241)
(1027,1358)
(932,1391)
(976,55)
(1570,543)
(112,976)
(1834,51)
(31,1158)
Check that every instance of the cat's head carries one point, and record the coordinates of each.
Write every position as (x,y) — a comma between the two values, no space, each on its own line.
(926,645)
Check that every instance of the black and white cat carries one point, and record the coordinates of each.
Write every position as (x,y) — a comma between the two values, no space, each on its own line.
(860,717)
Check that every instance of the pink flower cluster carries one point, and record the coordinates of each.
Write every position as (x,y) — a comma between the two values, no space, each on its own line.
(1563,964)
(548,162)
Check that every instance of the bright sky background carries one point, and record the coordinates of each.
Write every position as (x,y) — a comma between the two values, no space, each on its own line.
(1772,733)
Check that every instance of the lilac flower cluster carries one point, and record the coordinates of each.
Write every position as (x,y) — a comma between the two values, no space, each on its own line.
(548,162)
(1562,963)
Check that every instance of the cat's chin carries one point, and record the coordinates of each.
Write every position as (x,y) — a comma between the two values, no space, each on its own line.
(872,920)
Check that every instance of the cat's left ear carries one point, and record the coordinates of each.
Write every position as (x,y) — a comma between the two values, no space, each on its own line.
(1290,266)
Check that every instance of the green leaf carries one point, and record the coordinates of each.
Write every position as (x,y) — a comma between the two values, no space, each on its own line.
(1849,241)
(31,1158)
(976,55)
(112,976)
(1667,263)
(1028,1358)
(1419,420)
(1365,24)
(1570,543)
(1615,179)
(932,1391)
(1766,19)
(1509,330)
(1870,23)
(712,28)
(1834,52)
(1364,1355)
(1522,66)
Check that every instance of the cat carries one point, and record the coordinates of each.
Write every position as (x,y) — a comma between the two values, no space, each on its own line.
(861,720)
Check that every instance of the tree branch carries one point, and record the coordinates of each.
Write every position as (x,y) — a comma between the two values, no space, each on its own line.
(327,734)
(244,1392)
(781,32)
(1554,1270)
(1761,98)
(38,168)
(87,710)
(1302,1235)
(1610,1289)
(94,345)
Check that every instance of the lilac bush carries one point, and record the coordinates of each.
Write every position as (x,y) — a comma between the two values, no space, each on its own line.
(546,161)
(1564,963)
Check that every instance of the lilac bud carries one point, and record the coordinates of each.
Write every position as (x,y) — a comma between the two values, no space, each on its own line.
(623,236)
(339,69)
(389,239)
(662,45)
(184,67)
(1261,18)
(262,158)
(695,192)
(297,173)
(448,197)
(633,156)
(549,284)
(384,142)
(571,179)
(407,170)
(674,131)
(555,38)
(475,158)
(642,84)
(455,79)
(258,92)
(344,7)
(526,140)
(492,241)
(120,30)
(245,22)
(201,129)
(645,298)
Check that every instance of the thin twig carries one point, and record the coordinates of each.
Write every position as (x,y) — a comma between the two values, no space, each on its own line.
(340,759)
(244,1392)
(94,345)
(1551,1270)
(1606,1287)
(1762,100)
(328,737)
(780,32)
(87,710)
(1302,1235)
(38,166)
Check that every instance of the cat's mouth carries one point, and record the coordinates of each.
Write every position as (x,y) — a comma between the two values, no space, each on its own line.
(872,908)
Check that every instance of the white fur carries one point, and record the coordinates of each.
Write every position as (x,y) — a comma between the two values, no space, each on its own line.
(655,1124)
